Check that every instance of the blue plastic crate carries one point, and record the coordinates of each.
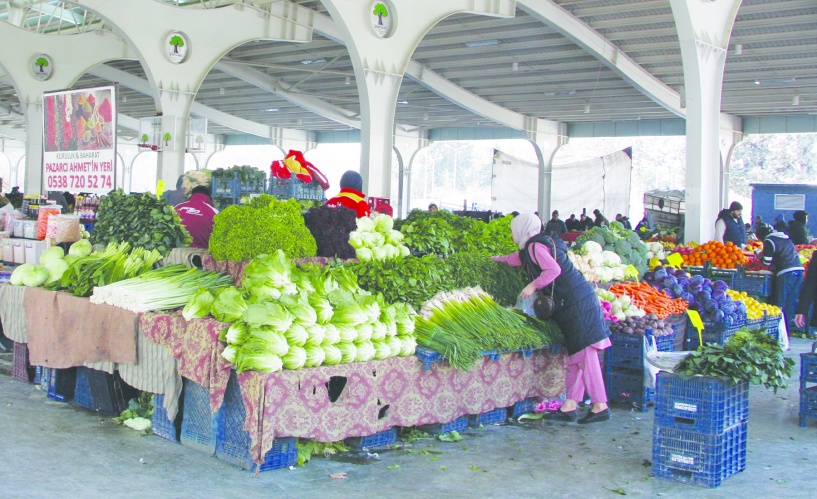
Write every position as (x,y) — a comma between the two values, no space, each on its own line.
(159,422)
(199,425)
(525,406)
(38,372)
(696,458)
(82,393)
(496,416)
(459,424)
(713,332)
(627,350)
(44,377)
(381,439)
(627,385)
(295,189)
(808,404)
(233,442)
(428,356)
(753,284)
(61,384)
(702,404)
(808,368)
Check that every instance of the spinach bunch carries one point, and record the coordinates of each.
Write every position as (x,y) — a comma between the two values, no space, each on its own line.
(444,233)
(412,280)
(245,173)
(142,220)
(500,280)
(265,225)
(750,355)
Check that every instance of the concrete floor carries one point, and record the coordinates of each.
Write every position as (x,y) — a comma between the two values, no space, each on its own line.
(51,449)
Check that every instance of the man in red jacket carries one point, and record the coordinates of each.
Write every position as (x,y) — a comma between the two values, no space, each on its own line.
(350,195)
(197,216)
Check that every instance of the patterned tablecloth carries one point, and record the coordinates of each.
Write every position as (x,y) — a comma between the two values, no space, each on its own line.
(377,395)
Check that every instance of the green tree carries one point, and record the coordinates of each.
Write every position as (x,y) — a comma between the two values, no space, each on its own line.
(166,138)
(380,11)
(144,138)
(177,42)
(41,62)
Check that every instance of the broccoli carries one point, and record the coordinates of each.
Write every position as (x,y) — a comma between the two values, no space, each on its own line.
(623,248)
(618,227)
(609,236)
(634,239)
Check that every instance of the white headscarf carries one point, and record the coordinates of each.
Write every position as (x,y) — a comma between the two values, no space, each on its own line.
(523,227)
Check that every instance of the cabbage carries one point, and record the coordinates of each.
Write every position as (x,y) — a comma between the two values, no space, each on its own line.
(275,269)
(347,333)
(381,350)
(394,237)
(16,278)
(81,248)
(35,276)
(266,341)
(296,335)
(331,335)
(323,284)
(272,315)
(395,345)
(295,358)
(348,352)
(332,355)
(404,251)
(365,351)
(229,353)
(235,334)
(137,423)
(370,306)
(228,305)
(322,307)
(378,331)
(354,240)
(409,345)
(198,305)
(378,239)
(304,314)
(383,223)
(52,253)
(364,254)
(316,334)
(314,356)
(265,363)
(349,313)
(364,332)
(69,259)
(379,253)
(56,267)
(364,224)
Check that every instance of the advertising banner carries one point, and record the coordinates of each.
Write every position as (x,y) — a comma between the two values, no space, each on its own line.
(79,143)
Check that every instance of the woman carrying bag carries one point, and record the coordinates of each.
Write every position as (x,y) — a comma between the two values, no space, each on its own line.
(576,311)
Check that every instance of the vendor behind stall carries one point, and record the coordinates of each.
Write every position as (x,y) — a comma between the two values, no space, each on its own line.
(197,215)
(351,195)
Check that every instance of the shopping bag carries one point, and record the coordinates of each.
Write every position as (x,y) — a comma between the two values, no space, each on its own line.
(650,371)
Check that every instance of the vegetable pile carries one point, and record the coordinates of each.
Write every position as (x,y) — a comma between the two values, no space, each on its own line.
(288,318)
(656,250)
(623,242)
(621,307)
(708,298)
(161,289)
(331,226)
(264,226)
(650,299)
(376,239)
(442,232)
(53,264)
(141,220)
(748,355)
(754,308)
(598,265)
(461,325)
(640,326)
(245,173)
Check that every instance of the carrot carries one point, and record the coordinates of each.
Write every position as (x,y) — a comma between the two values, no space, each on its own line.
(650,299)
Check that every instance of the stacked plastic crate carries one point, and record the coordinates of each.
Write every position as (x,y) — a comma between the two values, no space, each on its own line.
(624,368)
(808,385)
(700,430)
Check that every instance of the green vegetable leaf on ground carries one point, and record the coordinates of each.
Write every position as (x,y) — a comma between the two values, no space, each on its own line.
(454,436)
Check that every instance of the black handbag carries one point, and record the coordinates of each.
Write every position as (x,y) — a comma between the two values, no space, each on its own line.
(544,306)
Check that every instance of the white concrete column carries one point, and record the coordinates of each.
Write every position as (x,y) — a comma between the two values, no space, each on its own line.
(731,134)
(546,138)
(703,31)
(380,62)
(407,147)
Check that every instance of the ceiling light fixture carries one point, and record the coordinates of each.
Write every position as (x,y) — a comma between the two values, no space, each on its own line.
(515,66)
(775,80)
(425,116)
(739,49)
(795,101)
(270,110)
(403,102)
(220,90)
(313,61)
(124,99)
(348,80)
(587,109)
(482,43)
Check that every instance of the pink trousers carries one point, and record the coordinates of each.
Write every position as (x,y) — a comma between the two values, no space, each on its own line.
(584,374)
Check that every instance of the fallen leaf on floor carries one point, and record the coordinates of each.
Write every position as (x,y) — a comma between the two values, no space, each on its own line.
(618,491)
(477,468)
(338,476)
(433,458)
(393,467)
(443,468)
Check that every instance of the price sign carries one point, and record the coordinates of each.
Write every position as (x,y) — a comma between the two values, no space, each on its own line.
(160,188)
(697,323)
(675,259)
(654,262)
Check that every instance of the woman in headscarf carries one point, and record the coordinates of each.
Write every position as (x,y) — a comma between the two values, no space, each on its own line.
(578,314)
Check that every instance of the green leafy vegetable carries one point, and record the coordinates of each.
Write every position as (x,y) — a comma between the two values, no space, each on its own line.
(229,305)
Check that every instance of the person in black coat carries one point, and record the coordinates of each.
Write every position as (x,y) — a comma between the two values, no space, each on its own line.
(797,228)
(578,315)
(808,295)
(555,227)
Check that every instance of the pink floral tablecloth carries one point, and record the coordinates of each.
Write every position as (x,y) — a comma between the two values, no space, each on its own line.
(195,345)
(377,395)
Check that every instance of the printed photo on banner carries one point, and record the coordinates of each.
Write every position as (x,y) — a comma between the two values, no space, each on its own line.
(79,146)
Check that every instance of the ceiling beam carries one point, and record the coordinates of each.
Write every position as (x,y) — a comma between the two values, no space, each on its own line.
(13,133)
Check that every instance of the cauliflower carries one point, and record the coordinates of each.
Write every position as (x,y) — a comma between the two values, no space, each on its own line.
(591,248)
(610,258)
(595,260)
